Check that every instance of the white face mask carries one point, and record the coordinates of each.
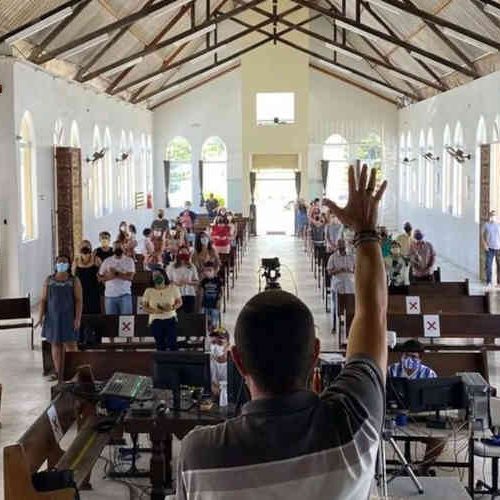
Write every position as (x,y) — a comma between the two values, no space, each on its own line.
(217,350)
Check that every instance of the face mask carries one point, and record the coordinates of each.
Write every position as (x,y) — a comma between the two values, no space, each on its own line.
(158,280)
(62,267)
(205,241)
(217,350)
(173,233)
(85,250)
(119,252)
(396,253)
(209,274)
(184,257)
(123,229)
(410,363)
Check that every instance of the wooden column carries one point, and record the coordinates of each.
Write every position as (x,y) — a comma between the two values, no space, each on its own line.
(484,202)
(69,210)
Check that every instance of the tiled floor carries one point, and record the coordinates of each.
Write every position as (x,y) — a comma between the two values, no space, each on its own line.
(26,393)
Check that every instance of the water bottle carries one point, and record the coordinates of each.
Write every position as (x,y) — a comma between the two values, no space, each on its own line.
(223,394)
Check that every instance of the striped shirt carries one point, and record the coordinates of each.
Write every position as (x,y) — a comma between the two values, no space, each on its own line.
(296,446)
(399,371)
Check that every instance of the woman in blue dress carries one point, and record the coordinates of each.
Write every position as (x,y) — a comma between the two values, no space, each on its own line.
(61,312)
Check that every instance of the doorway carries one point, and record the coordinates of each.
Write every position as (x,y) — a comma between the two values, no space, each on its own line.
(274,197)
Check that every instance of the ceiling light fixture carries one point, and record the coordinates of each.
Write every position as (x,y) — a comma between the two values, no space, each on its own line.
(41,25)
(358,31)
(194,36)
(343,51)
(84,46)
(385,6)
(125,65)
(428,60)
(168,8)
(467,39)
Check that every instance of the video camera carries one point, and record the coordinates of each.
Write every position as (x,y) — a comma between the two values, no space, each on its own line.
(271,272)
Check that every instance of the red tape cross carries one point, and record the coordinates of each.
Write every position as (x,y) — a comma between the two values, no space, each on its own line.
(431,325)
(413,306)
(126,326)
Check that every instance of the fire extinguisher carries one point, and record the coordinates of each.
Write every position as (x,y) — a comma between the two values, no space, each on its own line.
(149,200)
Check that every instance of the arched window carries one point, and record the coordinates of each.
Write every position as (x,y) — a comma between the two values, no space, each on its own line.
(122,177)
(402,170)
(336,152)
(409,158)
(149,167)
(214,156)
(131,171)
(446,183)
(481,138)
(420,188)
(74,140)
(429,171)
(97,175)
(58,139)
(27,176)
(108,173)
(458,190)
(143,168)
(179,154)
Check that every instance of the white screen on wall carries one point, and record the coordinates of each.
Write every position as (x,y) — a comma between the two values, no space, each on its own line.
(275,107)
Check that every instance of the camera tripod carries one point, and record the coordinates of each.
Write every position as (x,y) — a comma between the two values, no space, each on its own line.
(381,475)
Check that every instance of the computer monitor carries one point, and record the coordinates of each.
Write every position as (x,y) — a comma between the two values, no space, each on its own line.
(173,369)
(422,395)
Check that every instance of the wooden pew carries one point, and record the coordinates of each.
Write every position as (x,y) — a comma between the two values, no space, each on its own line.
(38,445)
(449,363)
(16,313)
(429,304)
(447,288)
(456,326)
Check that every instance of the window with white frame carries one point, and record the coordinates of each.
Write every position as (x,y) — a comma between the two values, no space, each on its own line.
(458,188)
(421,170)
(402,166)
(108,173)
(97,176)
(142,172)
(149,167)
(58,139)
(27,177)
(429,171)
(179,154)
(446,181)
(74,139)
(122,174)
(274,108)
(336,152)
(131,171)
(214,156)
(408,166)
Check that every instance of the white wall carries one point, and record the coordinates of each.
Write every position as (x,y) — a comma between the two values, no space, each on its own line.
(339,108)
(47,99)
(213,109)
(455,238)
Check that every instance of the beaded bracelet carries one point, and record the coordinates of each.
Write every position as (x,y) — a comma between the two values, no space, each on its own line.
(364,237)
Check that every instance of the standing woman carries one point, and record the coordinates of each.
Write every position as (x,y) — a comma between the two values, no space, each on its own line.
(161,302)
(221,235)
(61,312)
(85,268)
(205,252)
(131,243)
(301,218)
(183,274)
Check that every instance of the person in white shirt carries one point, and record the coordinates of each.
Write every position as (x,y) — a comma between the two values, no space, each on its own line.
(219,348)
(340,267)
(491,244)
(184,274)
(117,273)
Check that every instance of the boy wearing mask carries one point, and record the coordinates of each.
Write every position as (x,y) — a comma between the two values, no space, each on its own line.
(398,270)
(105,250)
(211,289)
(219,347)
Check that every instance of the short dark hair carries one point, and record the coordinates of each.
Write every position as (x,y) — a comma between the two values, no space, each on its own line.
(275,337)
(147,232)
(104,234)
(411,345)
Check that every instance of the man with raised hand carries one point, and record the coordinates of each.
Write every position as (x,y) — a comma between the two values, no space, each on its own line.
(289,442)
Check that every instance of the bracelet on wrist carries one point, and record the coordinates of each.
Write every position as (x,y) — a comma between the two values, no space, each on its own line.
(365,237)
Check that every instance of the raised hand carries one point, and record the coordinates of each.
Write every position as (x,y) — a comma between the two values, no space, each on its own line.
(361,211)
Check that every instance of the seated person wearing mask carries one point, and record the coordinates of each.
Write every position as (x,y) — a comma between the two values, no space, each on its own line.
(290,443)
(411,367)
(422,258)
(398,270)
(219,348)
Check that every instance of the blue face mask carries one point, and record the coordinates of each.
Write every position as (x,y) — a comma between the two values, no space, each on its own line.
(410,363)
(205,241)
(62,267)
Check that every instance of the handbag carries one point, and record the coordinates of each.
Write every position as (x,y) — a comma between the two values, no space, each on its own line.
(52,480)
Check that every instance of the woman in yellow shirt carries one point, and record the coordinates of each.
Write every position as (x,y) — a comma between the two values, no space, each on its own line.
(161,303)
